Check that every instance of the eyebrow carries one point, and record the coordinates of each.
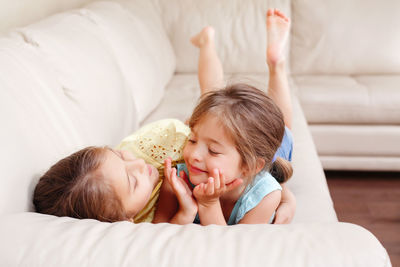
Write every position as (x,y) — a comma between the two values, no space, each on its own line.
(209,139)
(127,175)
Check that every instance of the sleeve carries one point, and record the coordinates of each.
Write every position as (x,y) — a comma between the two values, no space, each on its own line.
(286,148)
(157,141)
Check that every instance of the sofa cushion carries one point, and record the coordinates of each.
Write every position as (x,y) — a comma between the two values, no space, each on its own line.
(345,37)
(20,13)
(61,90)
(240,31)
(357,140)
(31,239)
(308,182)
(135,34)
(357,99)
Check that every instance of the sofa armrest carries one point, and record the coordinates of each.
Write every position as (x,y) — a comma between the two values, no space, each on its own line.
(31,239)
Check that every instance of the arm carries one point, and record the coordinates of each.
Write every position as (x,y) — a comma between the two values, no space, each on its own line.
(287,207)
(210,211)
(264,210)
(173,191)
(208,198)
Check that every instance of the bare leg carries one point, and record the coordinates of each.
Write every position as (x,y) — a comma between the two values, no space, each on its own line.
(210,72)
(278,26)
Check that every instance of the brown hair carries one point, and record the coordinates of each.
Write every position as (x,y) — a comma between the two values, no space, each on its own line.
(253,121)
(73,187)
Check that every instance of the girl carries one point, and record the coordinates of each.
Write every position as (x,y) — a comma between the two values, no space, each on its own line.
(235,133)
(113,185)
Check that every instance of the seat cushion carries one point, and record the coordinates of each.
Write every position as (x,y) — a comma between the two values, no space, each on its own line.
(308,182)
(357,140)
(357,99)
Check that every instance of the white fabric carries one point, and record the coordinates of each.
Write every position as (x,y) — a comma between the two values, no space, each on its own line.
(308,180)
(345,37)
(42,240)
(240,31)
(357,140)
(356,99)
(361,163)
(61,89)
(23,12)
(65,83)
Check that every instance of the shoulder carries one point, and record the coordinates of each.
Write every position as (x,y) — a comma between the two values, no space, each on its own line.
(264,183)
(263,212)
(263,190)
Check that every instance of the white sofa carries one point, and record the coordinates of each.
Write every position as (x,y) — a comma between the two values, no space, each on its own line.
(345,61)
(91,76)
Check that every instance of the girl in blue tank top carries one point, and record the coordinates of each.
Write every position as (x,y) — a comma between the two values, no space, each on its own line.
(240,145)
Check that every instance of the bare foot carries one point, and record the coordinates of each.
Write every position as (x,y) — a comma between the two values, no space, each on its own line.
(278,26)
(203,37)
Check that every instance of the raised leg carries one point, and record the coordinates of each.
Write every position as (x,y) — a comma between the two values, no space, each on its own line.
(278,26)
(210,71)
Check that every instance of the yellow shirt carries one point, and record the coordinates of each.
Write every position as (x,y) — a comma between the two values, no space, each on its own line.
(154,143)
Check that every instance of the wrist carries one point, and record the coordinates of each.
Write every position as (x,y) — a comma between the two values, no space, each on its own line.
(188,213)
(212,203)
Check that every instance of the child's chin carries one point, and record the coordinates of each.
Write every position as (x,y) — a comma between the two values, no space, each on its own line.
(198,179)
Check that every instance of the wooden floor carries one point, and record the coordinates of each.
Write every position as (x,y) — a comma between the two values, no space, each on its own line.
(372,200)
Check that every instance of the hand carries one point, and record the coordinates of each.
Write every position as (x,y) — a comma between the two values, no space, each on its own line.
(284,213)
(187,204)
(208,194)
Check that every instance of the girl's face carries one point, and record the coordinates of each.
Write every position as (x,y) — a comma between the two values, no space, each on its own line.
(209,148)
(132,179)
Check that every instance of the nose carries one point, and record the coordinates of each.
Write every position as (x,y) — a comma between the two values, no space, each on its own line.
(139,164)
(195,154)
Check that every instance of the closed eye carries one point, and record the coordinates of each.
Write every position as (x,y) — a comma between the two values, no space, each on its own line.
(192,141)
(213,152)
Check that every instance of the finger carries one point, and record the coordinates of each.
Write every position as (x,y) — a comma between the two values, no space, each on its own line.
(197,189)
(167,167)
(222,180)
(234,184)
(172,177)
(185,185)
(210,186)
(216,179)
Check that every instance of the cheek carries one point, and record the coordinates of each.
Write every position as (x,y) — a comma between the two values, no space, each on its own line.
(186,152)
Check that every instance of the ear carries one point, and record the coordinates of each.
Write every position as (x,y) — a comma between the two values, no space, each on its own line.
(260,164)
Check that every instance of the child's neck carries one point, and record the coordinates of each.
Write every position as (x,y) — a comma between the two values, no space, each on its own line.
(229,200)
(234,195)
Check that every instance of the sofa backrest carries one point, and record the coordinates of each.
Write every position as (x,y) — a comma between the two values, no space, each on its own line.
(80,78)
(240,31)
(23,12)
(345,37)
